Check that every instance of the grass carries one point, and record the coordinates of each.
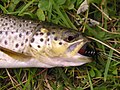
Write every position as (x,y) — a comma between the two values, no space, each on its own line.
(102,74)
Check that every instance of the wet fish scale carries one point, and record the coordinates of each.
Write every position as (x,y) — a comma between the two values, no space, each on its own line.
(17,34)
(39,40)
(8,23)
(14,34)
(15,41)
(20,35)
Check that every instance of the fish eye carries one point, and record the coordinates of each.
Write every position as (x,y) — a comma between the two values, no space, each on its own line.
(69,38)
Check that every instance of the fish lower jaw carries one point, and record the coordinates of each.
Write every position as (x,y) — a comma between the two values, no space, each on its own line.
(33,63)
(48,63)
(7,61)
(44,62)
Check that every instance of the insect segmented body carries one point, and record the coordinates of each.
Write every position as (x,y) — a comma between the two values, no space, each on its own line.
(86,50)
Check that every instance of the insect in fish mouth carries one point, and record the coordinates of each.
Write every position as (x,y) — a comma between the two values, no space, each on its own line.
(86,50)
(28,43)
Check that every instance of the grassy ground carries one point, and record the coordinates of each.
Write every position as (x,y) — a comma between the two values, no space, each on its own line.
(102,74)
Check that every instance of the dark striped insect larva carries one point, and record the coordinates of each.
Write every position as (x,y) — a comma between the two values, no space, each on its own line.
(90,53)
(86,50)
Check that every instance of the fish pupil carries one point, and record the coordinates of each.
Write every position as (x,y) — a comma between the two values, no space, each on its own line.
(70,38)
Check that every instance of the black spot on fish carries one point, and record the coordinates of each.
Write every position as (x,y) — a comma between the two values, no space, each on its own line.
(48,39)
(6,24)
(6,18)
(41,39)
(0,32)
(5,42)
(1,19)
(38,46)
(23,20)
(17,45)
(36,34)
(26,24)
(12,32)
(14,23)
(17,30)
(32,40)
(30,45)
(20,25)
(48,33)
(60,43)
(8,28)
(11,25)
(53,32)
(2,24)
(4,28)
(27,33)
(10,20)
(61,28)
(6,33)
(55,38)
(20,35)
(26,40)
(22,44)
(41,33)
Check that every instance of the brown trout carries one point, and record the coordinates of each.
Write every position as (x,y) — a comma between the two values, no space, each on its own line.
(28,43)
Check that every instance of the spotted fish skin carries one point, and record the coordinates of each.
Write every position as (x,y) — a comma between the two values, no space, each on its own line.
(14,34)
(38,42)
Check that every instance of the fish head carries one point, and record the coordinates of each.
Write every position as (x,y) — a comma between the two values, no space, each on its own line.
(60,47)
(67,42)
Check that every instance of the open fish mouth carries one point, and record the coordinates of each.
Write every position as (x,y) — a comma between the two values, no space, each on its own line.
(84,50)
(79,53)
(75,55)
(78,47)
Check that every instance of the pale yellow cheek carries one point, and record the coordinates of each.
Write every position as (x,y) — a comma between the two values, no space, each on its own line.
(44,30)
(59,49)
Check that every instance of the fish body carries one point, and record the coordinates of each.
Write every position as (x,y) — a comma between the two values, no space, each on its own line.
(28,43)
